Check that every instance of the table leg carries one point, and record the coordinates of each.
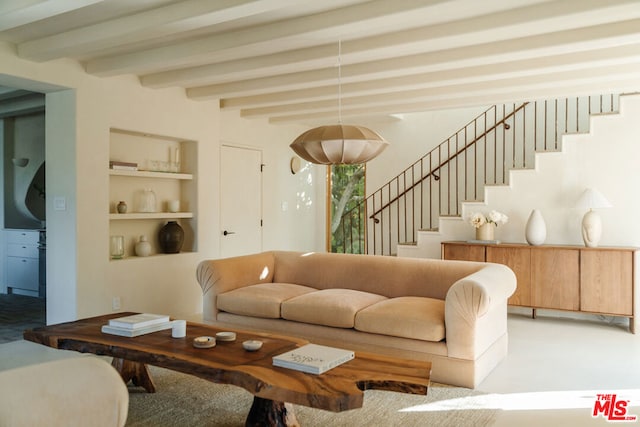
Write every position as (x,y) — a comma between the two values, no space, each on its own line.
(265,412)
(136,372)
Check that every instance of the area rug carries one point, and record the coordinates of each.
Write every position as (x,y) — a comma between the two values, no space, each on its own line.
(184,400)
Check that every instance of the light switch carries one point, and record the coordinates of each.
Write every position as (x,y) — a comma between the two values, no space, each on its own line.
(59,204)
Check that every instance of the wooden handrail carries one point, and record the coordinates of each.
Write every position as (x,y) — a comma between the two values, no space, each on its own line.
(444,163)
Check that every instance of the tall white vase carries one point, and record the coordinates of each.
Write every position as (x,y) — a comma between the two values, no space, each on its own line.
(536,229)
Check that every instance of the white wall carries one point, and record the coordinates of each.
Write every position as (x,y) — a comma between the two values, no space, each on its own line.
(81,279)
(293,205)
(606,158)
(80,109)
(411,138)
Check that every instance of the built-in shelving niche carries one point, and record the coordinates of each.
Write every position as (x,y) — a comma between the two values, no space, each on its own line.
(156,157)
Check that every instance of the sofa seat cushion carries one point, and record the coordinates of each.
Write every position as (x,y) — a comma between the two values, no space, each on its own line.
(329,307)
(262,300)
(408,317)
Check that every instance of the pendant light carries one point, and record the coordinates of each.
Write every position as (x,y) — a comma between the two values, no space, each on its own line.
(339,144)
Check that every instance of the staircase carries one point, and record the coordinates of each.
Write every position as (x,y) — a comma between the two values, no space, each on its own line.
(438,189)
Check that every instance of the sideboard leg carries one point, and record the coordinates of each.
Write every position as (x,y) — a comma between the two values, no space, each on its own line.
(533,313)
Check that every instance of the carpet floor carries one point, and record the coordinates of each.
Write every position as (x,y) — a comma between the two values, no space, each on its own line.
(184,400)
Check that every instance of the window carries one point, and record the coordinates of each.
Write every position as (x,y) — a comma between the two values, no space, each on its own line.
(346,209)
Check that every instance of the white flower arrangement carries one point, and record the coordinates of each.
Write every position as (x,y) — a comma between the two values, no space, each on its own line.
(478,219)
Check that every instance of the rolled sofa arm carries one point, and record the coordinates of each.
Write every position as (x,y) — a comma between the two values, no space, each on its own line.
(221,275)
(476,310)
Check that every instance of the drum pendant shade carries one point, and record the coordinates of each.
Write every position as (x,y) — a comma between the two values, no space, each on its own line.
(339,145)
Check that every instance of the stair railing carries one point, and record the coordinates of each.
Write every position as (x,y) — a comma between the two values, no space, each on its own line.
(482,152)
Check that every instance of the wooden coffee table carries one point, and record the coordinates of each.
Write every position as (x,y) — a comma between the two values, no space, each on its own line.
(339,389)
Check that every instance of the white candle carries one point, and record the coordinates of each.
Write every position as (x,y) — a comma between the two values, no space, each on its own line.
(179,328)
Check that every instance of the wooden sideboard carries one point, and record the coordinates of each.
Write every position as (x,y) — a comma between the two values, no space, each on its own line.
(574,278)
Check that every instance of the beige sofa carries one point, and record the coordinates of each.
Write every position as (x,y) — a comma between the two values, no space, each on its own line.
(452,313)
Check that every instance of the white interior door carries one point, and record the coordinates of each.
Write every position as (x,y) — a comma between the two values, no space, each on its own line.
(241,201)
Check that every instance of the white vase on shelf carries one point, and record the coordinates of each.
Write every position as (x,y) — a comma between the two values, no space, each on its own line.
(147,201)
(143,247)
(536,229)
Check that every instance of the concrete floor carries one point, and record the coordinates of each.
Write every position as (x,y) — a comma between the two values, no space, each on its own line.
(557,366)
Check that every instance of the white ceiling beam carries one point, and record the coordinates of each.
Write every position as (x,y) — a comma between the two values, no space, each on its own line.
(164,21)
(512,94)
(601,36)
(246,68)
(536,19)
(26,104)
(14,14)
(395,100)
(616,56)
(363,19)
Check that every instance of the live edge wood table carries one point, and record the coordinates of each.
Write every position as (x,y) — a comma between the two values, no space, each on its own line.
(339,389)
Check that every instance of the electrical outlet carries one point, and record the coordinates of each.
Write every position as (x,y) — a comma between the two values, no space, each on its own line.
(115,303)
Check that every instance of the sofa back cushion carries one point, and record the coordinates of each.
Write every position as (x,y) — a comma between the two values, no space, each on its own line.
(383,275)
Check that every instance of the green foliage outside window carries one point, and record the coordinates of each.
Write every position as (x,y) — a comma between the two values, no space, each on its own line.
(347,191)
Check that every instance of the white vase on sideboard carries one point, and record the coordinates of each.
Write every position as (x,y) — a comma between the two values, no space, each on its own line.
(536,229)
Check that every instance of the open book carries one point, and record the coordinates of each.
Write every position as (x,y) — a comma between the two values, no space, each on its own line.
(313,358)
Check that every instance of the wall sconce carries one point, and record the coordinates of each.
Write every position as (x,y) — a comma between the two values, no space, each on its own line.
(20,162)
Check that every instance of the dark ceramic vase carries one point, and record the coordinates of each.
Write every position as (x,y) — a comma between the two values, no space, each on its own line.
(171,238)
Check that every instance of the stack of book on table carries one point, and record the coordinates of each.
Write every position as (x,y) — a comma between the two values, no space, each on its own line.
(137,324)
(313,358)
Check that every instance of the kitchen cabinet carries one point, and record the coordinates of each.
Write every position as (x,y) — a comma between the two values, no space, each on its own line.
(22,262)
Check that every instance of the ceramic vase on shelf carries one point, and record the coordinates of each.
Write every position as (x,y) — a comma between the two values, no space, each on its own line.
(536,229)
(143,247)
(122,207)
(147,201)
(171,238)
(485,232)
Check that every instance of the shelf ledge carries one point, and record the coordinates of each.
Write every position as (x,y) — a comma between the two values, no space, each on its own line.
(150,174)
(150,215)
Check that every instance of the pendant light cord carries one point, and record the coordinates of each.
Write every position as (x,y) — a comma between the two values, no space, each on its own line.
(340,81)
